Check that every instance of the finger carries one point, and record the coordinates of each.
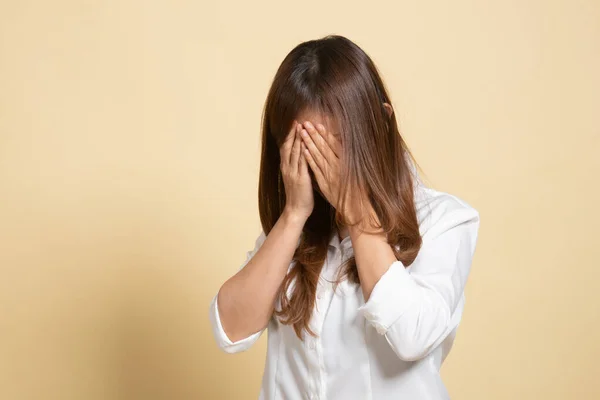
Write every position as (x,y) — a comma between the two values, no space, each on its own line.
(315,168)
(332,140)
(295,153)
(319,141)
(319,138)
(302,164)
(287,145)
(320,161)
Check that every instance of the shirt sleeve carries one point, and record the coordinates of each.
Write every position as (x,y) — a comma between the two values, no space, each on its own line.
(223,341)
(418,307)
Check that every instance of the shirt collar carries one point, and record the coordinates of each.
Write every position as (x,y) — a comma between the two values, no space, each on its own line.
(335,242)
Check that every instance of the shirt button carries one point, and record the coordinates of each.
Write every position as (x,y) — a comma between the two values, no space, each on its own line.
(311,345)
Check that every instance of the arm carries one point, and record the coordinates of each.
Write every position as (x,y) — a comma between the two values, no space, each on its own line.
(241,310)
(415,308)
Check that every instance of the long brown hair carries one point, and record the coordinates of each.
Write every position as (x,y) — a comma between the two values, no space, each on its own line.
(335,77)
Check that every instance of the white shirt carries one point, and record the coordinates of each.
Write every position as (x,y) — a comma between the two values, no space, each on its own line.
(390,347)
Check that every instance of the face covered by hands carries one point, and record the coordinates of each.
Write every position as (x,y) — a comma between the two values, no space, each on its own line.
(323,153)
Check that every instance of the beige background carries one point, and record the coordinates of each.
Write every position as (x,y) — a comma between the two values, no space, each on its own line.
(129,150)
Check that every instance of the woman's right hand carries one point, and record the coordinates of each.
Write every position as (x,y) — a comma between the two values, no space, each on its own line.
(294,171)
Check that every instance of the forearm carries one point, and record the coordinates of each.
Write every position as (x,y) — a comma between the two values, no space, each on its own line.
(246,300)
(373,255)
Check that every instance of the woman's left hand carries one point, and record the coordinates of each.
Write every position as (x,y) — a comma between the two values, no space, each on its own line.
(323,152)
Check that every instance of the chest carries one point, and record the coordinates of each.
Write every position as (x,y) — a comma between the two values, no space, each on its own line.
(335,317)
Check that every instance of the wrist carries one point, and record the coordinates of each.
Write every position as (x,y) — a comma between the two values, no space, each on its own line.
(293,218)
(369,223)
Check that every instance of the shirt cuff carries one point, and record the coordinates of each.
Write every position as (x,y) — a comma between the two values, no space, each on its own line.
(223,340)
(390,298)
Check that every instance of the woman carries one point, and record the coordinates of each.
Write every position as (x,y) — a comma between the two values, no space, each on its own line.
(359,270)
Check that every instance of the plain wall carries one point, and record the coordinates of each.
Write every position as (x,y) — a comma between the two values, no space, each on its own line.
(129,155)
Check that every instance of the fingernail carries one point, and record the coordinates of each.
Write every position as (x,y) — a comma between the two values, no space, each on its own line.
(308,124)
(304,133)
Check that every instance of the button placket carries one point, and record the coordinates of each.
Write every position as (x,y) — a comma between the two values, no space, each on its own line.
(314,373)
(311,343)
(324,296)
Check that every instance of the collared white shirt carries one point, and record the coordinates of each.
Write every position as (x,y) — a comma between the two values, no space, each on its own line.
(390,347)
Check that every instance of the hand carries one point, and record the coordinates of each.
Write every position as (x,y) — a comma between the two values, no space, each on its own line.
(296,179)
(323,153)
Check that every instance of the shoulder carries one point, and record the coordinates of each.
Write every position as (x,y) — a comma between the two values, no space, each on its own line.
(438,212)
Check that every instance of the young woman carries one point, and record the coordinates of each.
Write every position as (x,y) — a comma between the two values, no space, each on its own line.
(359,270)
